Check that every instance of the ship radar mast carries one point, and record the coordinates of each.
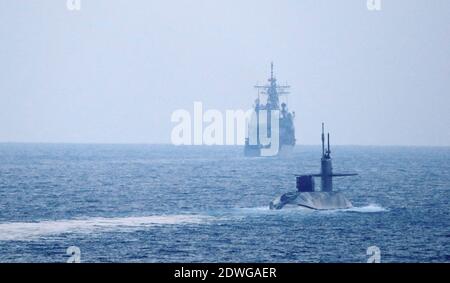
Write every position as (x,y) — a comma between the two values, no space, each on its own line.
(273,91)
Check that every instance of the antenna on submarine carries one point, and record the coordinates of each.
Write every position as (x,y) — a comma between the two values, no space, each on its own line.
(325,154)
(328,151)
(323,141)
(326,168)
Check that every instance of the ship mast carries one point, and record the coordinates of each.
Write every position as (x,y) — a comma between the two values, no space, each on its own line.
(273,91)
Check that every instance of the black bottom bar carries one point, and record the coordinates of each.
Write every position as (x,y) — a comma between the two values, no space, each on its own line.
(178,272)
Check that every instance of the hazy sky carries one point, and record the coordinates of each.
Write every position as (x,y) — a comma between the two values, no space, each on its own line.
(116,70)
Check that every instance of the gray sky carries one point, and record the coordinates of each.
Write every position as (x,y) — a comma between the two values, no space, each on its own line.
(116,70)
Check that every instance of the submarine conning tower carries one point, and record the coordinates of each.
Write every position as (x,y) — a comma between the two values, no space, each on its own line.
(305,183)
(326,168)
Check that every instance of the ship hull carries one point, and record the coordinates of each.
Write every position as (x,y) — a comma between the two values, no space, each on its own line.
(255,151)
(252,151)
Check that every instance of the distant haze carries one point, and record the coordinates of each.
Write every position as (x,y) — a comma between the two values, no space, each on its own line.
(115,71)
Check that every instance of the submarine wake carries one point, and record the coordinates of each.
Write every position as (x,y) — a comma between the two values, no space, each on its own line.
(29,231)
(24,231)
(371,208)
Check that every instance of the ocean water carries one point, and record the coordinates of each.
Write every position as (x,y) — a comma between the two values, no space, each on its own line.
(161,203)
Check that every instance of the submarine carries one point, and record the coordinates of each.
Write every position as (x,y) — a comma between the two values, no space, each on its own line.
(307,197)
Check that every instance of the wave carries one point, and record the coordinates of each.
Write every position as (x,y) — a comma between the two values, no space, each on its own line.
(22,231)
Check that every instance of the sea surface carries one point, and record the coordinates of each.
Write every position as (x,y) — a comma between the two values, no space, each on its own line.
(162,203)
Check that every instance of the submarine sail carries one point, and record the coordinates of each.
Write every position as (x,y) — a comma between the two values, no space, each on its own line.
(306,195)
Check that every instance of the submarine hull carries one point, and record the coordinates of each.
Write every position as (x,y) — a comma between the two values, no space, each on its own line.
(312,200)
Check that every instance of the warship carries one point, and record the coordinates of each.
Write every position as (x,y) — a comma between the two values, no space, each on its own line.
(306,196)
(271,106)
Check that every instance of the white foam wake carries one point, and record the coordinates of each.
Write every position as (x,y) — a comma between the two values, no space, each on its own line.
(367,209)
(23,231)
(298,209)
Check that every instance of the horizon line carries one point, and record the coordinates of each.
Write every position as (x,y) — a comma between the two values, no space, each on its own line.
(224,145)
